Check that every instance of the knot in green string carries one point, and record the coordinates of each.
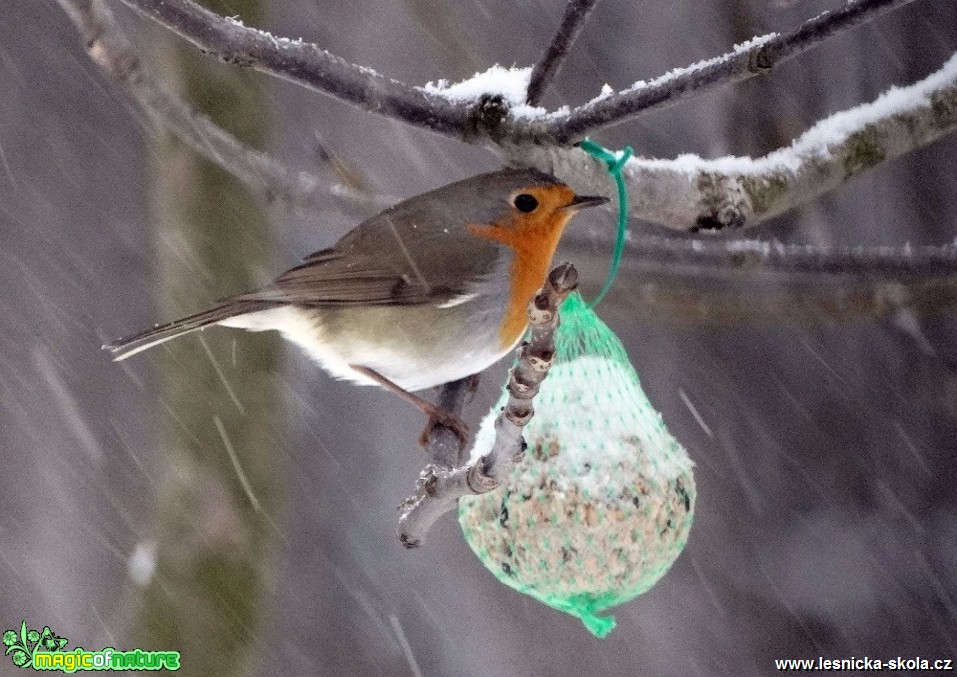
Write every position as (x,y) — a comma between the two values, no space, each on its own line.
(615,162)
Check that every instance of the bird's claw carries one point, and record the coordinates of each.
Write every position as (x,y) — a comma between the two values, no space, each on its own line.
(441,417)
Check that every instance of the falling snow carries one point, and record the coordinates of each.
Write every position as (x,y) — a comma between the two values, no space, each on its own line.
(823,438)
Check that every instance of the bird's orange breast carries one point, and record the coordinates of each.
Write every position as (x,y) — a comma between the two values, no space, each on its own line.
(533,245)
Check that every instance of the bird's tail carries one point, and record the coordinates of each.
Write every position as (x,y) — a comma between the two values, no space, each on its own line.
(130,345)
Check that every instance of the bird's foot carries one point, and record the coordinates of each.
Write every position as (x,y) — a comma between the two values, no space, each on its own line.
(437,415)
(441,417)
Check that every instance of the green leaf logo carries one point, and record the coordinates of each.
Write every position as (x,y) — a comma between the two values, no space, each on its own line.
(22,646)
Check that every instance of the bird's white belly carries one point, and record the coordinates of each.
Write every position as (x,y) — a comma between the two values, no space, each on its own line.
(402,343)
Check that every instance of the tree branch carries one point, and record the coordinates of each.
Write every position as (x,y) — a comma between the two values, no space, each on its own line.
(690,193)
(551,63)
(109,48)
(687,193)
(748,280)
(470,119)
(733,257)
(305,64)
(755,57)
(440,486)
(444,446)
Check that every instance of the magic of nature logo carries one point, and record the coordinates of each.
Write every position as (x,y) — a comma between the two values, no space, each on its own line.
(45,650)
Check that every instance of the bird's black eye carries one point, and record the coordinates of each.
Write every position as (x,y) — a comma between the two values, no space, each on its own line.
(525,202)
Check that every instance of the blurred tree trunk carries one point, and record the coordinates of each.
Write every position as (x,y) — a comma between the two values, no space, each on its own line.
(215,539)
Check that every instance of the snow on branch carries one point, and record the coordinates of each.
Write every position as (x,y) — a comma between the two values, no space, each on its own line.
(108,46)
(305,64)
(690,193)
(754,57)
(686,193)
(486,116)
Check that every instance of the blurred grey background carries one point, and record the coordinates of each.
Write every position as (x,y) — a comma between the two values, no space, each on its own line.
(826,518)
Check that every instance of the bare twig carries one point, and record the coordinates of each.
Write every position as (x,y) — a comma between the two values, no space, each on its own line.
(756,58)
(551,62)
(107,45)
(439,487)
(758,301)
(443,445)
(347,174)
(713,256)
(755,280)
(691,193)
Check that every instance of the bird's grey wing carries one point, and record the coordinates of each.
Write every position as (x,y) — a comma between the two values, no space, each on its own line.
(389,259)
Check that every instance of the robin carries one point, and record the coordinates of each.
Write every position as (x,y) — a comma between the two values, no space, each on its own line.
(431,290)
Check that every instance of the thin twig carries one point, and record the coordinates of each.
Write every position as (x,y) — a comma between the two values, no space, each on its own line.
(714,256)
(108,46)
(705,278)
(440,487)
(757,59)
(443,445)
(692,193)
(551,62)
(757,302)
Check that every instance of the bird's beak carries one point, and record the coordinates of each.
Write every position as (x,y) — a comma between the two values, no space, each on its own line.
(582,201)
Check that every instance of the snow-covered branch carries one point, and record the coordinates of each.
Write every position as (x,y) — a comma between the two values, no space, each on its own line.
(487,115)
(686,193)
(690,193)
(441,485)
(305,64)
(754,57)
(108,46)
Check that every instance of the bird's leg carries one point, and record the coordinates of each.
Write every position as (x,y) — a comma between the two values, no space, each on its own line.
(437,415)
(473,385)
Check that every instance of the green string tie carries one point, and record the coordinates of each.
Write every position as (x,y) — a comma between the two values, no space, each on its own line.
(615,162)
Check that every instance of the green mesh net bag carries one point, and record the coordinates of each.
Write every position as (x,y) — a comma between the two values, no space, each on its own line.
(601,505)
